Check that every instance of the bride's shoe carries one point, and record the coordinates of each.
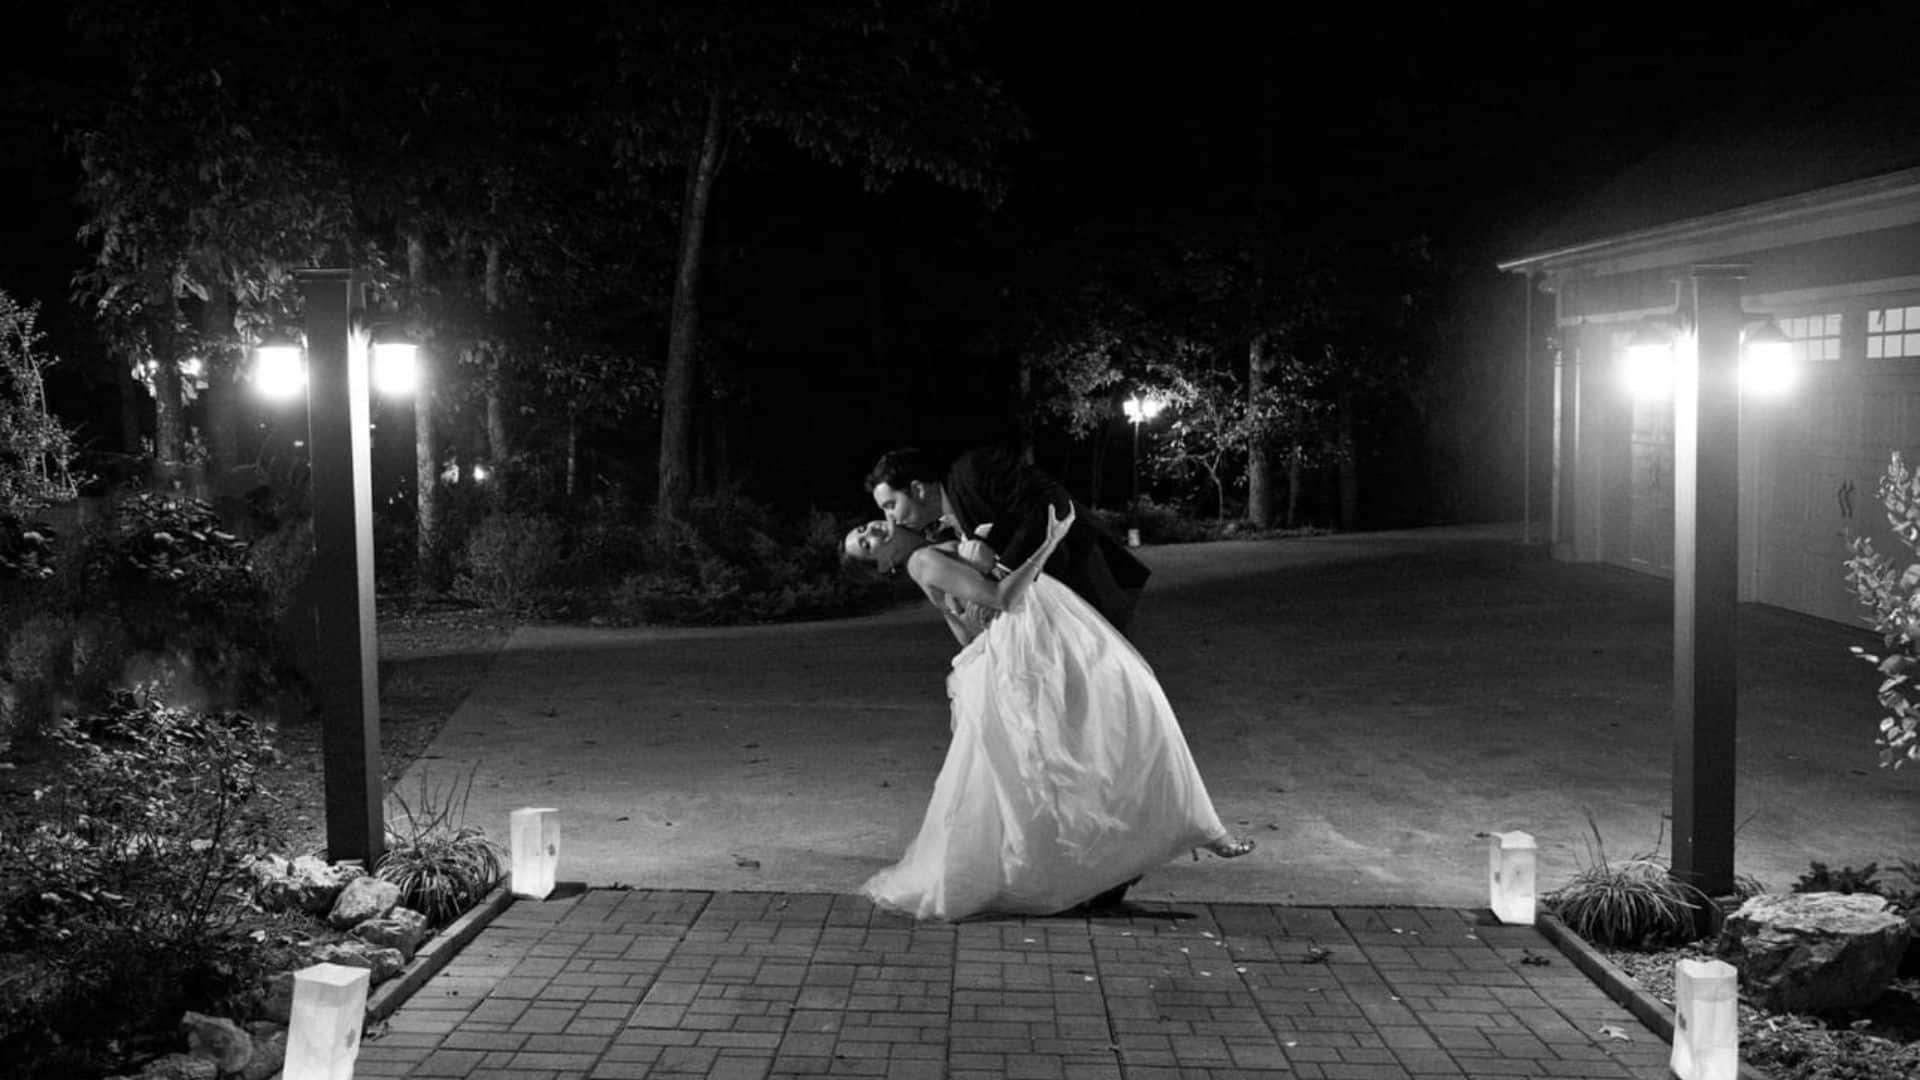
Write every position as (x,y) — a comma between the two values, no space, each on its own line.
(1226,848)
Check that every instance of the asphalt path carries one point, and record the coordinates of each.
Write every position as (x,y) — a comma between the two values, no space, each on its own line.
(1366,707)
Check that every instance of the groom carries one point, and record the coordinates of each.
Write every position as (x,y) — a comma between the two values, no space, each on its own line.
(991,494)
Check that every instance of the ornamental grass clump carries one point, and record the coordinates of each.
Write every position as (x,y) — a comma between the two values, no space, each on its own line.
(1632,904)
(442,865)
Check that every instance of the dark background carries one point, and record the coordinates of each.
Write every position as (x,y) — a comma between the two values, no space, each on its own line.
(854,319)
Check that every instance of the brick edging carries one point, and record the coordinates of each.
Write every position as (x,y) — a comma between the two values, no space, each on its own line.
(436,954)
(1618,985)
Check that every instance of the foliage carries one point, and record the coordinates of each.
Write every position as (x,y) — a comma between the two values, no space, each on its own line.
(118,883)
(1891,596)
(156,592)
(443,866)
(1636,903)
(732,562)
(1822,878)
(36,451)
(509,559)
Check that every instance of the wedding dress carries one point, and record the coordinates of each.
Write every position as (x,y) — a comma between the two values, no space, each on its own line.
(1067,773)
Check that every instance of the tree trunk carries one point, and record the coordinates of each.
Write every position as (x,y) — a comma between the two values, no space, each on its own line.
(169,404)
(676,405)
(1293,488)
(426,441)
(221,365)
(1259,476)
(1349,466)
(573,454)
(499,439)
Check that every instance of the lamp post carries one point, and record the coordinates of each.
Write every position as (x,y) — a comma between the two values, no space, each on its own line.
(336,379)
(1139,410)
(1705,372)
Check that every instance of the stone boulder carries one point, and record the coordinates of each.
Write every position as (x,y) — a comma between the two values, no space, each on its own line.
(306,883)
(402,928)
(364,898)
(1814,952)
(384,963)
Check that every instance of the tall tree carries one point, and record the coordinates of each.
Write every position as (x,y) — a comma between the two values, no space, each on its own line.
(882,87)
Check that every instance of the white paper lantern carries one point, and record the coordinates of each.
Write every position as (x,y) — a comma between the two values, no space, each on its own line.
(1706,1020)
(535,835)
(329,1013)
(1510,865)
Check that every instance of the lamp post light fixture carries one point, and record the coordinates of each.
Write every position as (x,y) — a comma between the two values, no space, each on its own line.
(1707,362)
(1140,409)
(335,374)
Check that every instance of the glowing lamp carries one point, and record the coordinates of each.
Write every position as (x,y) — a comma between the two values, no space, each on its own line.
(1706,1020)
(1510,866)
(1647,365)
(395,362)
(1766,360)
(329,1012)
(534,833)
(1140,408)
(279,368)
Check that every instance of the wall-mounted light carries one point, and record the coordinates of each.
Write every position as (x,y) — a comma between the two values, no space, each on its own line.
(1648,358)
(1652,354)
(1766,359)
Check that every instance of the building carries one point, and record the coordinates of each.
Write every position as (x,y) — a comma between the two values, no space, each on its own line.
(1817,218)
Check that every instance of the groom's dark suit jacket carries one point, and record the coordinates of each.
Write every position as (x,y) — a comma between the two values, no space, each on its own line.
(994,487)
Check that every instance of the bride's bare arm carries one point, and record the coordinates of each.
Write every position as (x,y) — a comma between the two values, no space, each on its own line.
(934,569)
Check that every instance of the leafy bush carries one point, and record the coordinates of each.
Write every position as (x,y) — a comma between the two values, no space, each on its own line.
(509,559)
(35,450)
(1891,595)
(442,866)
(733,562)
(118,894)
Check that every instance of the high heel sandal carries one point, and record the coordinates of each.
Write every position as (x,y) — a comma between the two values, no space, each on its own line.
(1225,848)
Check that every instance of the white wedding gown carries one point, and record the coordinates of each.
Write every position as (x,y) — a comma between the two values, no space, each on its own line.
(1067,774)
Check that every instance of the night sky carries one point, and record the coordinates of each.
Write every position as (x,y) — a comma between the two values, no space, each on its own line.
(1482,133)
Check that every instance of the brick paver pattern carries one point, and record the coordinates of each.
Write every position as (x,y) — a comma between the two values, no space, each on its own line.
(607,984)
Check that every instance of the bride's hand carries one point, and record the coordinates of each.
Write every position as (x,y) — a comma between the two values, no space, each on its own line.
(1057,526)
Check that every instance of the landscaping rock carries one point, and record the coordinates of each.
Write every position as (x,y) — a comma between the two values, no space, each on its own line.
(178,1067)
(402,928)
(363,898)
(219,1040)
(269,1054)
(1814,952)
(307,883)
(384,963)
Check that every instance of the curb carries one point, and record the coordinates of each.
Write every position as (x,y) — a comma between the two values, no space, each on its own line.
(436,954)
(1618,985)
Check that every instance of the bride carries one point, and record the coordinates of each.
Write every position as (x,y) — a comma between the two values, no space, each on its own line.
(1067,774)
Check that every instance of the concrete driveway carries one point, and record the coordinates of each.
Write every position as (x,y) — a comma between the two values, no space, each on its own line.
(1362,705)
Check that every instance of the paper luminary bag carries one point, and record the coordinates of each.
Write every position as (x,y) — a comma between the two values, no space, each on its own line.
(329,1013)
(534,833)
(1706,1020)
(1510,870)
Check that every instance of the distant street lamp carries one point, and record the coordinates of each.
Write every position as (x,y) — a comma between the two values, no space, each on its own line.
(1139,410)
(335,374)
(1706,358)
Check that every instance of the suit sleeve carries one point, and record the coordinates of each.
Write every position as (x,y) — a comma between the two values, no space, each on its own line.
(1022,496)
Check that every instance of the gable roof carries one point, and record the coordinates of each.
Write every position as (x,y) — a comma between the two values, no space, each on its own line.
(1719,166)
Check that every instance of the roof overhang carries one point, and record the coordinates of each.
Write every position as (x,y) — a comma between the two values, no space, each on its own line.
(1880,202)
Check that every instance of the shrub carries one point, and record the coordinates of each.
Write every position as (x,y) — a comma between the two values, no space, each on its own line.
(732,562)
(509,559)
(1891,595)
(442,866)
(118,895)
(1632,904)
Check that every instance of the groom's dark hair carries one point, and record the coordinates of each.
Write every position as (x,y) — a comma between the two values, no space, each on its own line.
(898,468)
